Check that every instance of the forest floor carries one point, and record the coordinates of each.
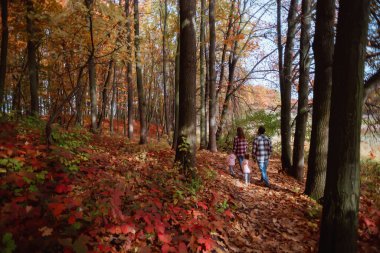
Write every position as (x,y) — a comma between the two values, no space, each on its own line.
(105,194)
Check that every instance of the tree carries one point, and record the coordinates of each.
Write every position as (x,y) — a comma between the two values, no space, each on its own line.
(212,111)
(186,148)
(166,97)
(279,45)
(32,58)
(341,198)
(202,79)
(139,81)
(129,69)
(297,169)
(91,68)
(323,57)
(4,47)
(286,88)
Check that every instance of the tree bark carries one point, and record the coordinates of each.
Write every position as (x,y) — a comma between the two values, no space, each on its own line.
(186,149)
(4,47)
(323,56)
(176,94)
(287,87)
(202,79)
(339,223)
(129,70)
(113,102)
(212,103)
(32,59)
(105,92)
(92,70)
(221,77)
(279,45)
(139,81)
(166,97)
(297,170)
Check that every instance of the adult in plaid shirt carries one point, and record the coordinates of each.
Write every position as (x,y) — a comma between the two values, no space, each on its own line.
(240,145)
(261,151)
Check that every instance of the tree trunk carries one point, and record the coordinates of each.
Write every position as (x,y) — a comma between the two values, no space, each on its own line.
(323,54)
(129,70)
(202,79)
(176,95)
(224,53)
(32,60)
(166,99)
(105,92)
(279,45)
(339,223)
(186,148)
(212,103)
(92,70)
(139,81)
(4,47)
(112,107)
(287,87)
(297,170)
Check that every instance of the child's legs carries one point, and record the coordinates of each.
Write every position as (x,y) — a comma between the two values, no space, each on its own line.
(232,170)
(246,178)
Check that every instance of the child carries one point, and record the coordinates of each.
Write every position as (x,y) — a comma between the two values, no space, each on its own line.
(231,162)
(246,169)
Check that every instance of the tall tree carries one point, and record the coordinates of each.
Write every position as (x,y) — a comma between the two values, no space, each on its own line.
(279,45)
(303,90)
(129,69)
(287,87)
(223,59)
(212,103)
(139,80)
(323,56)
(202,79)
(4,47)
(91,68)
(166,97)
(104,94)
(341,198)
(186,148)
(32,58)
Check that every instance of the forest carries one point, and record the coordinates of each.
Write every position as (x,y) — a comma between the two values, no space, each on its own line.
(157,125)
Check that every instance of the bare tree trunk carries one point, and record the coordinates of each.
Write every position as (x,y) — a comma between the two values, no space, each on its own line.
(222,67)
(186,149)
(32,59)
(92,70)
(339,225)
(212,111)
(129,69)
(279,45)
(176,95)
(202,79)
(113,105)
(139,81)
(166,99)
(105,92)
(4,47)
(287,87)
(297,169)
(323,54)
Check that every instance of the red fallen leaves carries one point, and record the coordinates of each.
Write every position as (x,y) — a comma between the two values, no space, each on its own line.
(56,208)
(207,242)
(63,188)
(122,229)
(165,238)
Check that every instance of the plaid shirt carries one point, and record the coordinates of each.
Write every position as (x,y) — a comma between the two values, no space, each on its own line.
(262,148)
(240,146)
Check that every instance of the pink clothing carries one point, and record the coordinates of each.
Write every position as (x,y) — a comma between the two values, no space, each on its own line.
(245,165)
(231,159)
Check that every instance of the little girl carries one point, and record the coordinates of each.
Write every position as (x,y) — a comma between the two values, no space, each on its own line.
(246,169)
(231,162)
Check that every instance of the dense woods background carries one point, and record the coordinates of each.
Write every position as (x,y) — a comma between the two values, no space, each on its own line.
(189,72)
